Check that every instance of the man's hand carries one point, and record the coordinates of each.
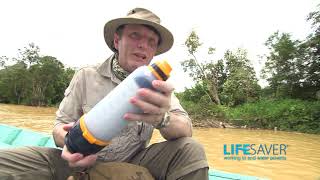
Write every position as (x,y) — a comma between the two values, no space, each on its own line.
(67,127)
(152,103)
(76,159)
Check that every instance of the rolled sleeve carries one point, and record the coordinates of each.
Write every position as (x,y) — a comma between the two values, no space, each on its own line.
(177,109)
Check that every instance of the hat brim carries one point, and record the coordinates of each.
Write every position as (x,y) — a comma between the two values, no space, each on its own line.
(111,27)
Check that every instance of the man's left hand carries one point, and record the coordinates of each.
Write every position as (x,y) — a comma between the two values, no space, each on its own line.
(153,104)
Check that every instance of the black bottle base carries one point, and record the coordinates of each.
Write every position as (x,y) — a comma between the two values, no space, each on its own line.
(76,143)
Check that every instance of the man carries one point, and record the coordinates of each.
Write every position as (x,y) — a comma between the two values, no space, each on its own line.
(135,40)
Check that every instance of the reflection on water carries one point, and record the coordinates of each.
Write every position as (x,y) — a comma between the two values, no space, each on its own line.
(303,153)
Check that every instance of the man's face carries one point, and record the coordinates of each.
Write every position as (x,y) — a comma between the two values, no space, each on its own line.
(137,46)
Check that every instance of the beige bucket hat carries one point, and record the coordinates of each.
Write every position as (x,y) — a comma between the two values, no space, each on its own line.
(144,17)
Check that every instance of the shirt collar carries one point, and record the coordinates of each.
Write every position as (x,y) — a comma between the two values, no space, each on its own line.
(104,69)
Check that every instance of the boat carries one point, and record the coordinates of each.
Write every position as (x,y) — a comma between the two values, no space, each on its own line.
(12,137)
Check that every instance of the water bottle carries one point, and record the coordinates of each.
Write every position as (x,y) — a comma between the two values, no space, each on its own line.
(94,130)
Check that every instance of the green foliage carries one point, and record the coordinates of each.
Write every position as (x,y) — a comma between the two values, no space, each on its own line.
(193,43)
(13,83)
(3,60)
(29,55)
(236,81)
(286,114)
(33,79)
(193,94)
(314,17)
(293,67)
(232,79)
(310,56)
(241,84)
(206,73)
(281,64)
(201,109)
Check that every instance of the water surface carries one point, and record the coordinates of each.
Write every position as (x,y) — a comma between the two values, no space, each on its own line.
(302,158)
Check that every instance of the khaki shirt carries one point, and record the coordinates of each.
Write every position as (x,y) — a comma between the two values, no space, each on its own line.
(88,86)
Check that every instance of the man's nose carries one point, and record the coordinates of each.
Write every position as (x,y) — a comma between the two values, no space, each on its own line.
(143,43)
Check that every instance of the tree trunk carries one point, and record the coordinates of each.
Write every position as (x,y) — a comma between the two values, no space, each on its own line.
(214,95)
(213,92)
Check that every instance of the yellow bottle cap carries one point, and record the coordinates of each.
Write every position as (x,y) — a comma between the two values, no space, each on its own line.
(164,66)
(161,69)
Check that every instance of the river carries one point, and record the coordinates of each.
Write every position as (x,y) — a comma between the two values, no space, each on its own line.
(300,161)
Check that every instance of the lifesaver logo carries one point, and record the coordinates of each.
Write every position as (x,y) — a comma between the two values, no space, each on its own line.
(255,151)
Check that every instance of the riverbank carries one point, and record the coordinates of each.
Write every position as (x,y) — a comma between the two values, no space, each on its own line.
(286,114)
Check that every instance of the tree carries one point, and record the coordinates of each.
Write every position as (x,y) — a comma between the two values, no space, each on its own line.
(3,60)
(193,94)
(314,17)
(45,76)
(281,67)
(14,82)
(205,74)
(241,83)
(293,67)
(312,55)
(33,79)
(29,55)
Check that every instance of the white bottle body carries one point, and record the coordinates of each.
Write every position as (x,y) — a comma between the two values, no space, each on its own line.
(106,120)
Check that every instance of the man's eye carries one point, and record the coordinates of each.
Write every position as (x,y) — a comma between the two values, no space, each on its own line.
(135,35)
(152,44)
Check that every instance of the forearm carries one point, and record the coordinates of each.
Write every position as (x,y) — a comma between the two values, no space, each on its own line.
(58,134)
(179,126)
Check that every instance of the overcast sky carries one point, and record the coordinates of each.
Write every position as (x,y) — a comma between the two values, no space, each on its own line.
(72,30)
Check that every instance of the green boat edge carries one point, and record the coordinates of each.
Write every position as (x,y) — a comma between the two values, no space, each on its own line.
(11,137)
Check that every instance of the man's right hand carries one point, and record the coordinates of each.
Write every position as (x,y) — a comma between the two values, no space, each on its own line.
(76,159)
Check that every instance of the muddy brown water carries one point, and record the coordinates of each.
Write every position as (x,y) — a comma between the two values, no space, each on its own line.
(302,152)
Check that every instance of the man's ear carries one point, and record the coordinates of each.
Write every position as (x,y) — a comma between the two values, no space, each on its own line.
(116,41)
